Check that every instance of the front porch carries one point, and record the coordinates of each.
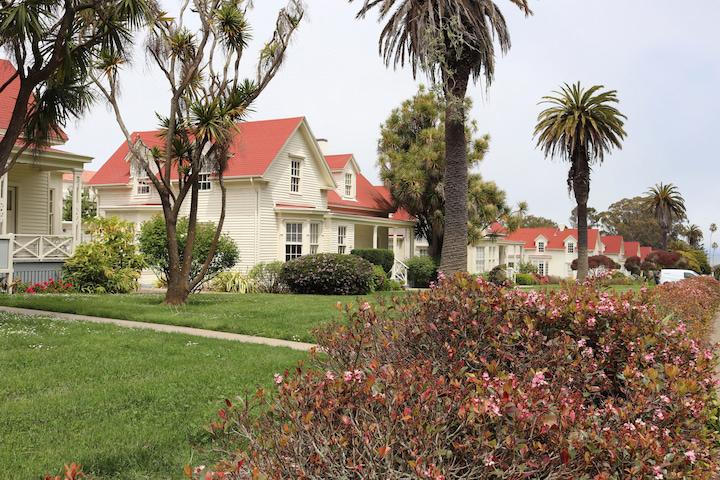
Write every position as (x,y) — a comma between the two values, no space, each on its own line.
(33,246)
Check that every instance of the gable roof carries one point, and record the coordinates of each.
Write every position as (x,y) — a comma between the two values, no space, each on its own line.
(252,150)
(613,244)
(85,177)
(644,252)
(8,96)
(555,237)
(632,249)
(338,162)
(369,199)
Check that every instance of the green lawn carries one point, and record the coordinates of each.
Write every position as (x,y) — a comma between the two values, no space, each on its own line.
(289,317)
(128,404)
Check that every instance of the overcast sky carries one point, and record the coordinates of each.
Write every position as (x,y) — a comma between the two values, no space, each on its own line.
(662,56)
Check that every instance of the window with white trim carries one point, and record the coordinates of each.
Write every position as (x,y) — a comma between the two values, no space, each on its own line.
(143,186)
(293,240)
(570,247)
(314,237)
(348,184)
(295,176)
(422,251)
(540,246)
(479,259)
(204,181)
(342,237)
(542,267)
(51,211)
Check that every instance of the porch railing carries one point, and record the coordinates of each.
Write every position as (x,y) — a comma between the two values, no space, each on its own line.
(399,272)
(41,247)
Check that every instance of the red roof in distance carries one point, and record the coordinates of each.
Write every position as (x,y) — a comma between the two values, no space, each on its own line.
(632,249)
(554,236)
(613,244)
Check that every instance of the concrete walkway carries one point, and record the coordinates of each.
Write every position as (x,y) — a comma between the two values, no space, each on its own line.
(197,332)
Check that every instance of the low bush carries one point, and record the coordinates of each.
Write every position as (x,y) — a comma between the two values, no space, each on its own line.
(716,272)
(329,274)
(473,381)
(528,268)
(109,262)
(597,263)
(632,265)
(525,279)
(694,301)
(497,275)
(233,282)
(49,286)
(153,244)
(377,256)
(663,259)
(267,277)
(382,282)
(421,271)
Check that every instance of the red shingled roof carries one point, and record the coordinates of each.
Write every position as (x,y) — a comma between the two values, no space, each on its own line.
(632,249)
(644,252)
(8,96)
(554,236)
(338,162)
(253,149)
(370,199)
(613,244)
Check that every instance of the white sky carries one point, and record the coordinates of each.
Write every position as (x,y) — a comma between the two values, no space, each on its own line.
(662,56)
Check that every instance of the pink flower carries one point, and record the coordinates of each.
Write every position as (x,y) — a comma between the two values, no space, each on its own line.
(365,306)
(538,380)
(657,470)
(278,378)
(659,414)
(348,376)
(358,375)
(330,375)
(591,322)
(649,357)
(690,455)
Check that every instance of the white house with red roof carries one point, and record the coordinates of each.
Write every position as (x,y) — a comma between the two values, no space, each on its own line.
(285,196)
(31,194)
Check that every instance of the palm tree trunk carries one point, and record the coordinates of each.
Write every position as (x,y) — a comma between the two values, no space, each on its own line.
(454,248)
(582,241)
(580,177)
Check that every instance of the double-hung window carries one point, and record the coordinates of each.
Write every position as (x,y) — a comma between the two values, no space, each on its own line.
(541,246)
(293,240)
(314,237)
(295,176)
(143,186)
(570,247)
(204,181)
(480,259)
(342,237)
(348,185)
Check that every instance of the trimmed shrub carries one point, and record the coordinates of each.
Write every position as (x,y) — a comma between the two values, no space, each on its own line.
(525,279)
(663,259)
(596,262)
(377,256)
(153,244)
(329,274)
(233,282)
(497,275)
(382,282)
(267,277)
(474,381)
(421,271)
(109,262)
(632,265)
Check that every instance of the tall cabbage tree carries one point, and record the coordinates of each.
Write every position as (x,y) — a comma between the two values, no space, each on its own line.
(667,204)
(453,42)
(580,126)
(52,45)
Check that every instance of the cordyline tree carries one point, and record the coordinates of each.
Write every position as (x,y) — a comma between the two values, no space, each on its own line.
(411,156)
(668,205)
(452,42)
(580,126)
(209,96)
(53,45)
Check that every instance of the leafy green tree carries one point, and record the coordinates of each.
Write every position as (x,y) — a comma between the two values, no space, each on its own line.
(668,205)
(153,245)
(580,126)
(628,218)
(451,42)
(696,258)
(53,44)
(88,207)
(694,235)
(534,221)
(208,98)
(412,163)
(594,218)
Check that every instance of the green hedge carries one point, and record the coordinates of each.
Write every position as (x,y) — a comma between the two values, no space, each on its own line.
(421,271)
(329,274)
(525,279)
(377,256)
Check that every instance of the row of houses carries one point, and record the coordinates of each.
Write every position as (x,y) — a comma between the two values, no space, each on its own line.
(288,195)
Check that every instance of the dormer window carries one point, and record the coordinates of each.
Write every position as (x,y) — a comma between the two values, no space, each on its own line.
(348,184)
(295,176)
(143,186)
(541,246)
(570,247)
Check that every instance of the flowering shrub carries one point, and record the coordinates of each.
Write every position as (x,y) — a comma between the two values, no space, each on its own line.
(695,301)
(473,380)
(329,274)
(50,286)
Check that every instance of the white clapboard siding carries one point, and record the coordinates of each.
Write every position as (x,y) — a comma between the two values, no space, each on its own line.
(32,198)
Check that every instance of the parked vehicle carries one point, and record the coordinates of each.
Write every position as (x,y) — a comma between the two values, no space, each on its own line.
(675,275)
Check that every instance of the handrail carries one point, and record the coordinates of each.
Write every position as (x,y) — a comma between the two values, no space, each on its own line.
(42,247)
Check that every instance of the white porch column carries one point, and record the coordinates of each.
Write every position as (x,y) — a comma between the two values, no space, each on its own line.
(77,207)
(375,239)
(395,232)
(3,203)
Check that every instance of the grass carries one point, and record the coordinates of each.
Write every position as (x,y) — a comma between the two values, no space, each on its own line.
(127,404)
(289,317)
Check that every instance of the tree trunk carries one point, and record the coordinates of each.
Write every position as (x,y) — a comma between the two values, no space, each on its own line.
(582,242)
(178,288)
(580,177)
(435,243)
(455,238)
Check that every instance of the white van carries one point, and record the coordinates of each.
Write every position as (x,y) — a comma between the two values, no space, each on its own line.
(675,275)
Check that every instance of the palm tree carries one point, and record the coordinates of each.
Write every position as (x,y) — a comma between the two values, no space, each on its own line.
(451,41)
(714,247)
(668,205)
(694,235)
(580,126)
(713,229)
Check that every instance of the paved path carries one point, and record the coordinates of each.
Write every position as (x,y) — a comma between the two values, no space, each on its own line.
(198,332)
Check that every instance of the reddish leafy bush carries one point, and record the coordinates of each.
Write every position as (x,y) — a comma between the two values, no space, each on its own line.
(50,286)
(663,259)
(597,262)
(473,380)
(695,301)
(632,265)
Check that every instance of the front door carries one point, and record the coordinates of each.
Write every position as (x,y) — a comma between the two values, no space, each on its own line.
(11,209)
